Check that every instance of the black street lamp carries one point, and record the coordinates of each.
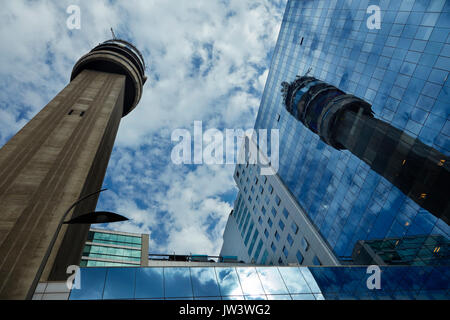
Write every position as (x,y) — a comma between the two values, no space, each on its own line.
(87,218)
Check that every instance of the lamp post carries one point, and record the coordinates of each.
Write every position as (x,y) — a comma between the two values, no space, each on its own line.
(87,218)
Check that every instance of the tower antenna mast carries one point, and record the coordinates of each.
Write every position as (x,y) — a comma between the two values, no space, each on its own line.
(113,34)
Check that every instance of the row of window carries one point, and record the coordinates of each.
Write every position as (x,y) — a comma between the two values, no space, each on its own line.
(246,218)
(116,239)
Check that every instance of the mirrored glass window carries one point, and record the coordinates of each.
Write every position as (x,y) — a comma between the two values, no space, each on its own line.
(149,283)
(204,282)
(310,280)
(271,280)
(228,282)
(92,283)
(249,281)
(256,297)
(305,296)
(294,280)
(279,297)
(177,283)
(119,283)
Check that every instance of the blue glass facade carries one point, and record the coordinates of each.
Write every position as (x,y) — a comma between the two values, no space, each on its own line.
(260,283)
(401,69)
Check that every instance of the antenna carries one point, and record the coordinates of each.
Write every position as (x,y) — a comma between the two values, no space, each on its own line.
(113,35)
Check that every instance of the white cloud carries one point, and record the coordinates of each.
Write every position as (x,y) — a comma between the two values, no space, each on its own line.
(207,60)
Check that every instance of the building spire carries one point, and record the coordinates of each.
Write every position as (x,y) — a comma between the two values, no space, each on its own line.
(113,34)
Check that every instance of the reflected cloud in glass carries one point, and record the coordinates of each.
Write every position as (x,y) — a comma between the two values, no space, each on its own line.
(279,297)
(91,285)
(228,282)
(204,282)
(310,280)
(119,283)
(294,280)
(149,283)
(250,281)
(271,280)
(177,283)
(256,297)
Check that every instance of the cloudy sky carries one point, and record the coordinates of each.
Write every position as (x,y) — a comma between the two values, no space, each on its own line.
(207,60)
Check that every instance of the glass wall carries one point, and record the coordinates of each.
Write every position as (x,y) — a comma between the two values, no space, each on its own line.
(401,69)
(261,283)
(114,239)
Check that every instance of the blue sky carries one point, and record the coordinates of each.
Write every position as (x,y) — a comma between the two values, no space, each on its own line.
(207,60)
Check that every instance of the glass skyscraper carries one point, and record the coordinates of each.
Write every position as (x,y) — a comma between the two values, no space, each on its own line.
(401,70)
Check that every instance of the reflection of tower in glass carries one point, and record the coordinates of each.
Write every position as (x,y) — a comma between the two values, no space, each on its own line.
(344,121)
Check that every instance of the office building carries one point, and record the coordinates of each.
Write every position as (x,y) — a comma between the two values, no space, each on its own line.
(105,248)
(396,77)
(58,157)
(267,226)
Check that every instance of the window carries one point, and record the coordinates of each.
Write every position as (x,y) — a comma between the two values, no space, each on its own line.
(70,112)
(277,236)
(252,189)
(257,198)
(273,247)
(290,240)
(281,224)
(305,244)
(265,179)
(249,231)
(274,212)
(250,199)
(261,189)
(294,227)
(280,261)
(266,233)
(263,210)
(267,200)
(277,200)
(285,213)
(264,257)
(258,250)
(285,252)
(299,257)
(316,261)
(81,113)
(245,189)
(270,189)
(270,222)
(260,220)
(256,180)
(252,243)
(237,174)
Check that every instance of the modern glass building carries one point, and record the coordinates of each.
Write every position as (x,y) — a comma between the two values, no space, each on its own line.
(106,248)
(401,71)
(260,283)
